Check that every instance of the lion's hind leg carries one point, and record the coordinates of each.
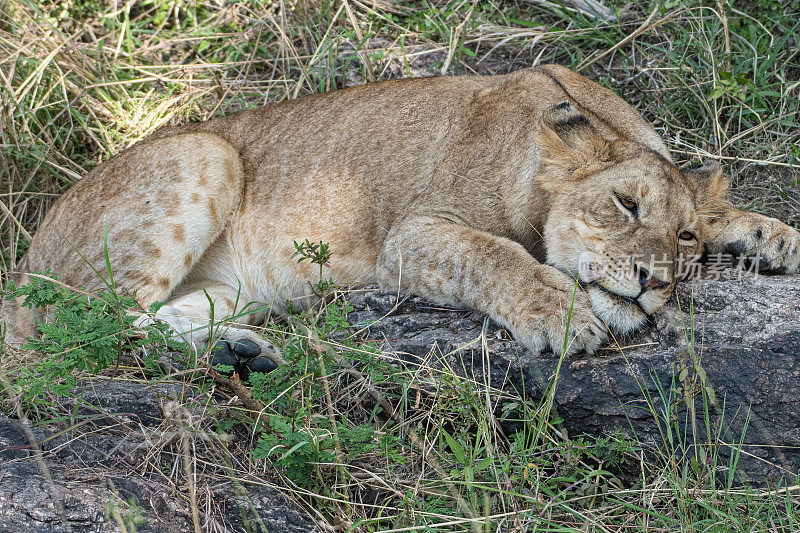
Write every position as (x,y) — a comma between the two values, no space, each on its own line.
(149,213)
(197,196)
(17,322)
(211,314)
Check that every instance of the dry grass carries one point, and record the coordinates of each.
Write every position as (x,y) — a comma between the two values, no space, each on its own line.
(80,83)
(83,79)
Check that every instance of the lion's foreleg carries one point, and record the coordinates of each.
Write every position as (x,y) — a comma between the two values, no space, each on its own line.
(741,233)
(459,265)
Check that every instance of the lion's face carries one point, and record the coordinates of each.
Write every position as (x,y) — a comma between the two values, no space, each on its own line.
(624,221)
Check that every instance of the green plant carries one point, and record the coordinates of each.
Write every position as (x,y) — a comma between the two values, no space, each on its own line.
(296,440)
(131,515)
(85,79)
(318,254)
(299,450)
(87,333)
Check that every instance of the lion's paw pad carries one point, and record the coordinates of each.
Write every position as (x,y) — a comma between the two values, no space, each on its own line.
(243,355)
(221,355)
(261,364)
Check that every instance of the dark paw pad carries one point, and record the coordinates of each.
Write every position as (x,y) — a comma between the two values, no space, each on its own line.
(246,349)
(221,354)
(261,364)
(243,356)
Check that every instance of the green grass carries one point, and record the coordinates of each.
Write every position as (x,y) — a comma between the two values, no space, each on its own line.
(81,81)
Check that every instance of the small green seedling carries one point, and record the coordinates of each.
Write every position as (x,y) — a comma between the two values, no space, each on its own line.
(318,254)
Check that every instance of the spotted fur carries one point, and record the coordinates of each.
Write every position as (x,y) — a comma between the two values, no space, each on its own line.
(479,191)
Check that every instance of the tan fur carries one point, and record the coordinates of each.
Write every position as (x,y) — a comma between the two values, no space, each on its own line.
(479,191)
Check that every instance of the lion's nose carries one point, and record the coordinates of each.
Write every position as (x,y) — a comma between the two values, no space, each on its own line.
(648,281)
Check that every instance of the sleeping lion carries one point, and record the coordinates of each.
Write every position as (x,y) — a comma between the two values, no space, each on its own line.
(495,192)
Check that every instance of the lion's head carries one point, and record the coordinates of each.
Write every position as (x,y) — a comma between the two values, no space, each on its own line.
(622,218)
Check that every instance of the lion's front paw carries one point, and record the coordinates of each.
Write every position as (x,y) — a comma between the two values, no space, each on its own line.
(774,244)
(554,321)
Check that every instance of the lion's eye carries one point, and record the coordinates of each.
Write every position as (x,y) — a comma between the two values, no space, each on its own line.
(686,236)
(629,204)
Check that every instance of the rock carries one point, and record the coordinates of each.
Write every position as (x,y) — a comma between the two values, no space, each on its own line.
(104,472)
(110,402)
(746,342)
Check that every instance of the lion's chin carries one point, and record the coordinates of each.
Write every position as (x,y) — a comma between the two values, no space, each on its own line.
(618,312)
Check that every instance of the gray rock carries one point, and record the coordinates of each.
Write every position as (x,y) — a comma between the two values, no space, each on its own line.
(103,473)
(746,341)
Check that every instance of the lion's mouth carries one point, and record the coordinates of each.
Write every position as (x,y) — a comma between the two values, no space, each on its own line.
(596,283)
(619,297)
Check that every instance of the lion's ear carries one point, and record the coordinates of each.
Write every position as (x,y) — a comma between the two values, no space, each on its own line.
(571,143)
(711,184)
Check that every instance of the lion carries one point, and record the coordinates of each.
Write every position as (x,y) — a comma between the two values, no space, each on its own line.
(492,192)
